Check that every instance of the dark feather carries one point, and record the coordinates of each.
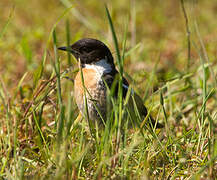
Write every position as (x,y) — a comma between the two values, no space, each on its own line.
(111,80)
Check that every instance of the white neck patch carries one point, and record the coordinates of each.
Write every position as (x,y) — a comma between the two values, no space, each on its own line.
(101,67)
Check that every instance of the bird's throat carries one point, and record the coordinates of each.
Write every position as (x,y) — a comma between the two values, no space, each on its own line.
(101,67)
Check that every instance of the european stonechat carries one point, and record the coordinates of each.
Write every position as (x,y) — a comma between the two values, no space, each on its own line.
(98,69)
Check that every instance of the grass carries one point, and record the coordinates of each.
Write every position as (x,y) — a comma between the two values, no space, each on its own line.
(175,74)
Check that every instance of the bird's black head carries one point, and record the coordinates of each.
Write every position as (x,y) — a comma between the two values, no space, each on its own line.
(89,51)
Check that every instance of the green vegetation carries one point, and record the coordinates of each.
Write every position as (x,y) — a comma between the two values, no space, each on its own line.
(167,51)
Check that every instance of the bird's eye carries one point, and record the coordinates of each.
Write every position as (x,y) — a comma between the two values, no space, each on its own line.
(84,49)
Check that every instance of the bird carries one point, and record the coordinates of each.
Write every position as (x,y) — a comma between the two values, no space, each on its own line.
(97,73)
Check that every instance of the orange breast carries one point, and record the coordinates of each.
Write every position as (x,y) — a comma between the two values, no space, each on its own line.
(96,95)
(90,83)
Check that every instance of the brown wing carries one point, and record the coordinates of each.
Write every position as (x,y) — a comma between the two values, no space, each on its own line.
(136,102)
(133,100)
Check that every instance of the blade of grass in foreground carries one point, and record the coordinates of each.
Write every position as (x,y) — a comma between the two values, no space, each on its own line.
(47,152)
(114,39)
(85,102)
(120,64)
(118,107)
(120,89)
(57,71)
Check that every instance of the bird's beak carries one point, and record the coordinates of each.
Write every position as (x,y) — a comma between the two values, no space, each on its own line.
(66,49)
(62,48)
(69,49)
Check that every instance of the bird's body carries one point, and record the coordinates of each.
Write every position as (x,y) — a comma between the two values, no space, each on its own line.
(95,89)
(97,72)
